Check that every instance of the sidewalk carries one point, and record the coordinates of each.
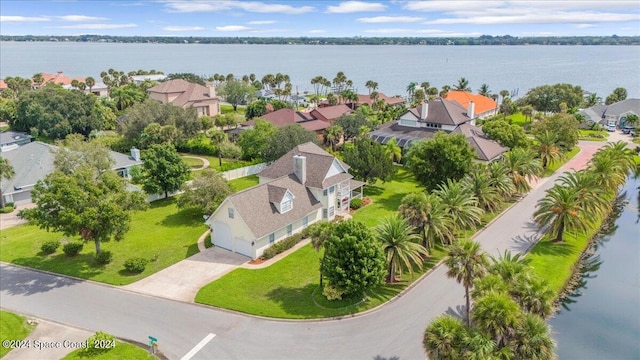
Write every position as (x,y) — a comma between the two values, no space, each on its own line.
(12,219)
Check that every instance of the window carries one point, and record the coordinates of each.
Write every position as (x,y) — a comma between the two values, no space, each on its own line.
(305,221)
(324,192)
(231,213)
(332,189)
(289,230)
(324,213)
(272,238)
(331,211)
(285,206)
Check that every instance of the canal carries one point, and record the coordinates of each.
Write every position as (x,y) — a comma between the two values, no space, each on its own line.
(600,319)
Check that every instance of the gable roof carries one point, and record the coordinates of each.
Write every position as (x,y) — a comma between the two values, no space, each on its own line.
(482,103)
(366,99)
(190,93)
(283,117)
(255,205)
(331,112)
(319,162)
(598,112)
(441,111)
(486,149)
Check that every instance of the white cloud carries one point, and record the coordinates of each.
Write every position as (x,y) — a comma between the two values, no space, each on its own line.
(250,6)
(453,5)
(317,31)
(390,19)
(540,18)
(422,32)
(262,22)
(233,28)
(263,31)
(4,18)
(98,26)
(183,28)
(586,26)
(355,6)
(80,18)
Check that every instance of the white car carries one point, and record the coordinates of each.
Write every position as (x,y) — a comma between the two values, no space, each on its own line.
(611,128)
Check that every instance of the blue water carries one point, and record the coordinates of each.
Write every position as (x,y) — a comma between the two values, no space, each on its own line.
(602,318)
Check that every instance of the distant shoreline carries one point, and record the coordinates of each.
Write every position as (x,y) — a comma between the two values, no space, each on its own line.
(483,40)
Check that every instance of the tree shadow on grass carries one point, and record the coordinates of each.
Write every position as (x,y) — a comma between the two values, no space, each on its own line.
(372,190)
(548,247)
(391,202)
(297,301)
(186,217)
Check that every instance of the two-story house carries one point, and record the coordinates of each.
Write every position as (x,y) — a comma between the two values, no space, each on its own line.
(304,186)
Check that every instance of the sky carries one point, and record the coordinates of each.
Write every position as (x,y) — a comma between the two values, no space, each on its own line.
(313,18)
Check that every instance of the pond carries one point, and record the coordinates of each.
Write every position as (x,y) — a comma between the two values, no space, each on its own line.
(600,319)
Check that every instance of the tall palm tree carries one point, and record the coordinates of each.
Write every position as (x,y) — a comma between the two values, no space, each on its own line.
(500,180)
(411,89)
(466,262)
(320,233)
(547,148)
(91,82)
(484,90)
(444,338)
(393,150)
(498,315)
(607,172)
(522,166)
(504,94)
(533,294)
(532,339)
(478,181)
(371,86)
(217,137)
(400,246)
(462,85)
(427,214)
(6,172)
(460,204)
(332,135)
(445,90)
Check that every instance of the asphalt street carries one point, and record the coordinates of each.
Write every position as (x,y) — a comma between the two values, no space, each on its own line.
(393,331)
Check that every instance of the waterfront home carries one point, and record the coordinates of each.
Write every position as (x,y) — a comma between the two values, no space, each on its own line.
(331,113)
(186,94)
(484,106)
(423,121)
(33,161)
(616,112)
(304,186)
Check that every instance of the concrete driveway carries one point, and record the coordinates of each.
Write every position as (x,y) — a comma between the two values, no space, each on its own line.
(181,281)
(12,219)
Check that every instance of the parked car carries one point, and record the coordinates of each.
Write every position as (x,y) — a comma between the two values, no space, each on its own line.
(611,128)
(627,129)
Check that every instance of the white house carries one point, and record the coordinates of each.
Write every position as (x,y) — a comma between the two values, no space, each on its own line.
(304,186)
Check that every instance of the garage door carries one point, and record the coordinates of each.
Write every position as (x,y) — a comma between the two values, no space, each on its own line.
(222,235)
(22,198)
(244,248)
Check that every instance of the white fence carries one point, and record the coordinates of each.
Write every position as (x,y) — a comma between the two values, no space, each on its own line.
(244,171)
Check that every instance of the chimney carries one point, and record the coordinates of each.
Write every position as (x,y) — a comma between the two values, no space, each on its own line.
(135,153)
(212,91)
(424,110)
(300,168)
(471,111)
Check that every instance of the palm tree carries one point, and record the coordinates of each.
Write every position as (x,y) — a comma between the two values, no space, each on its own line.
(547,148)
(498,315)
(608,172)
(462,85)
(425,86)
(478,346)
(504,94)
(218,137)
(533,294)
(320,233)
(411,89)
(478,181)
(466,262)
(426,213)
(460,204)
(6,172)
(619,151)
(332,135)
(445,90)
(91,82)
(371,86)
(393,150)
(500,180)
(38,79)
(522,166)
(532,339)
(527,111)
(444,338)
(484,90)
(399,245)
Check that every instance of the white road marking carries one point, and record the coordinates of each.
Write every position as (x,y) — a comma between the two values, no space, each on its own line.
(198,347)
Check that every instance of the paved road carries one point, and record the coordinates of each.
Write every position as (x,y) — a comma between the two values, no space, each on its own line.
(394,331)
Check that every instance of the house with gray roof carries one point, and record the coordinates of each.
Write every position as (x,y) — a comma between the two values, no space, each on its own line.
(34,161)
(9,140)
(422,122)
(304,186)
(617,112)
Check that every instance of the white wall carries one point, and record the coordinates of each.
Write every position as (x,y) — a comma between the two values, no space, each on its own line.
(263,244)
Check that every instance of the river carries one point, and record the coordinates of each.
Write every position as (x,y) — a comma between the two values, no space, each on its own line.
(601,318)
(598,69)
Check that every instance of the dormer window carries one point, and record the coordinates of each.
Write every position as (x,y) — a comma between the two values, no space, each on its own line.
(286,205)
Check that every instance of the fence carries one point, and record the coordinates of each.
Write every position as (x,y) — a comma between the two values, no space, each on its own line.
(243,171)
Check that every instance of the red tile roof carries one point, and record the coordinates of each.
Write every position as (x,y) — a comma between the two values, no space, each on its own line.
(366,99)
(482,103)
(331,113)
(59,78)
(315,125)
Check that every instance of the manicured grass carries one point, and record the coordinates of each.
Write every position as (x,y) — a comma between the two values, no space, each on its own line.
(551,168)
(386,197)
(594,135)
(122,350)
(244,182)
(227,164)
(12,327)
(290,289)
(193,163)
(224,108)
(162,234)
(517,119)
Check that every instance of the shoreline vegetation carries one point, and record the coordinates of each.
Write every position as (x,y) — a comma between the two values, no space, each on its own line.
(356,40)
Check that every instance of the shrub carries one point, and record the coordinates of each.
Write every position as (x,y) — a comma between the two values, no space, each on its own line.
(72,248)
(6,210)
(356,203)
(281,246)
(332,293)
(50,247)
(135,265)
(99,343)
(104,257)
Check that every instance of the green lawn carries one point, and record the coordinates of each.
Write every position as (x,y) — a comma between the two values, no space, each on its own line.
(214,163)
(12,327)
(552,167)
(224,108)
(162,234)
(193,163)
(386,197)
(518,119)
(122,350)
(594,135)
(244,182)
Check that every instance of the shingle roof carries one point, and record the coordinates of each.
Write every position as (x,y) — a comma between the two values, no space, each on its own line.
(366,99)
(255,206)
(441,111)
(331,112)
(190,93)
(10,137)
(482,103)
(314,125)
(485,148)
(319,163)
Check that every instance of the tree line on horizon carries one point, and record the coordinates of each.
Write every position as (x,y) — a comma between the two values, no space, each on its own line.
(356,40)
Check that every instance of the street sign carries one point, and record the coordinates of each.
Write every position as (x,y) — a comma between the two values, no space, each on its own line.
(152,339)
